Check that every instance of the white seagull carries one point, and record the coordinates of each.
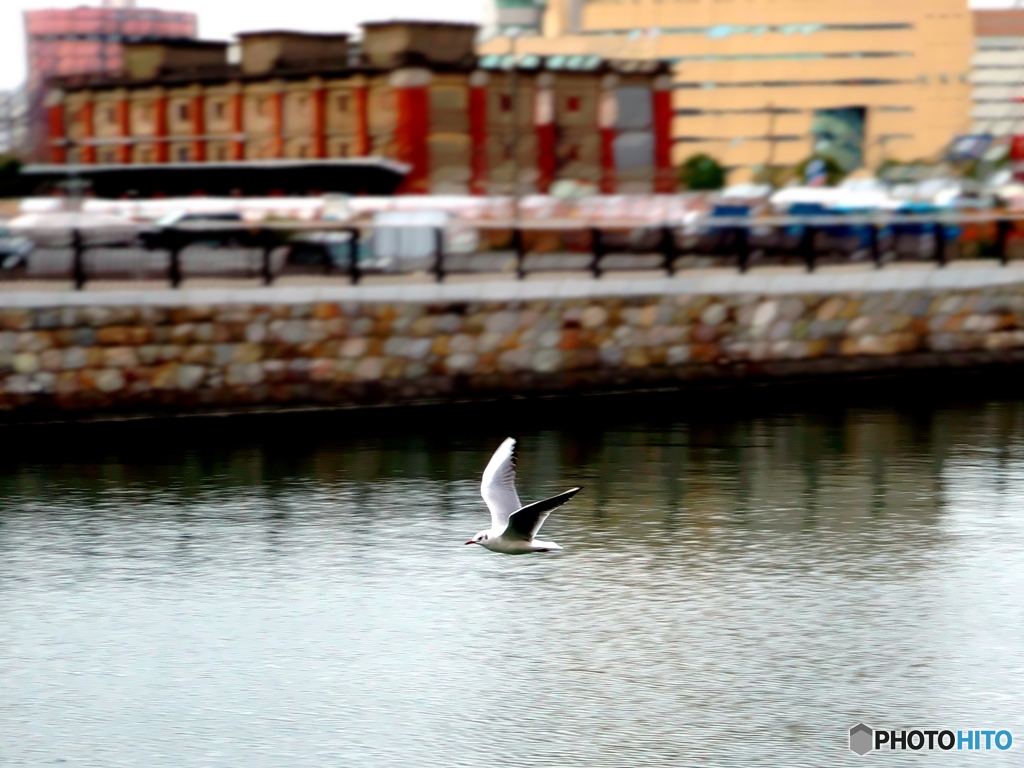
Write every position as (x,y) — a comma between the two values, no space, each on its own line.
(513,526)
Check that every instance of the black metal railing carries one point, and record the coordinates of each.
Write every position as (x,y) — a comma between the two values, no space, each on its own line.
(271,251)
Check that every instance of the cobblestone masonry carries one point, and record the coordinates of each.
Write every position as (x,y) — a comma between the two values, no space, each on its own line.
(196,350)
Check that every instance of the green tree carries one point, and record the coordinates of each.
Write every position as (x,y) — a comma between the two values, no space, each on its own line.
(702,172)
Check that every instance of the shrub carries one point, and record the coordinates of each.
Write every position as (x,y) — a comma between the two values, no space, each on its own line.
(702,172)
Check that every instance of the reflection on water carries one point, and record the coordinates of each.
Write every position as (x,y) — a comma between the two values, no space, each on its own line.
(730,594)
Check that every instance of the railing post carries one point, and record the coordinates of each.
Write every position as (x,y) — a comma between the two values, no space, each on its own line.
(175,267)
(78,265)
(743,247)
(1002,236)
(265,271)
(439,254)
(353,256)
(940,243)
(598,246)
(876,250)
(808,246)
(668,245)
(520,253)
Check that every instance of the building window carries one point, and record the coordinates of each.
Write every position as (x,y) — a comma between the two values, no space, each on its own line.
(146,155)
(572,104)
(111,115)
(182,155)
(343,150)
(218,110)
(303,150)
(183,111)
(342,102)
(220,152)
(505,103)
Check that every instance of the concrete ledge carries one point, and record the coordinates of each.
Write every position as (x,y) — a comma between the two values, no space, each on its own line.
(706,283)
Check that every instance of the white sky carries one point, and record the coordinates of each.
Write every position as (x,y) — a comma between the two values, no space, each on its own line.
(221,19)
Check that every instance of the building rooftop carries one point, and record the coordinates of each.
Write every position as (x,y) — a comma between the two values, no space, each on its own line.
(418,23)
(293,33)
(386,45)
(571,63)
(178,42)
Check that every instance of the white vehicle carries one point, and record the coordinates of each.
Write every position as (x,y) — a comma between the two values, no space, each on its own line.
(212,218)
(404,239)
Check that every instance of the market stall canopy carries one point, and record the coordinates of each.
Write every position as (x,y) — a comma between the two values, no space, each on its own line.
(370,175)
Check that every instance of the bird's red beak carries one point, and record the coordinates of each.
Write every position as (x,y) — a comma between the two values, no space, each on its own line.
(471,542)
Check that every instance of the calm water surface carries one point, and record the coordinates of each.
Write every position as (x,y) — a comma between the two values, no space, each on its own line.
(733,593)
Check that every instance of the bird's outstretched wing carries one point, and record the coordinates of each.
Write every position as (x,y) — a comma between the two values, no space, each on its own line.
(499,485)
(524,523)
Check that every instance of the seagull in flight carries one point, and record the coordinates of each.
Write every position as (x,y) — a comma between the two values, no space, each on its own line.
(513,526)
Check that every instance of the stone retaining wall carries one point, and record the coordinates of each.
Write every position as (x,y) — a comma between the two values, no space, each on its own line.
(183,351)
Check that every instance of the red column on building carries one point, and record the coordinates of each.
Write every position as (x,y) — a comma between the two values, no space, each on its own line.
(237,127)
(607,117)
(360,107)
(277,113)
(160,128)
(124,129)
(57,133)
(478,133)
(86,116)
(319,101)
(544,125)
(1017,156)
(413,127)
(664,178)
(198,113)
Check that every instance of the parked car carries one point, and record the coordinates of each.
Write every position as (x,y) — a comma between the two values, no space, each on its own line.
(14,249)
(223,228)
(316,251)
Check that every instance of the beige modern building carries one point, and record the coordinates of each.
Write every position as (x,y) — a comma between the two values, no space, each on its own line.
(768,81)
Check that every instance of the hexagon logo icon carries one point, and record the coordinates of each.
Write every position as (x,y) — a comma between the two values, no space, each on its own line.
(860,739)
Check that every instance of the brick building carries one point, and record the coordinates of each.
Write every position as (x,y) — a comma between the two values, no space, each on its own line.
(71,41)
(415,92)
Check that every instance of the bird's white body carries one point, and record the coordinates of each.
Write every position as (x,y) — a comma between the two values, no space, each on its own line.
(513,526)
(516,546)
